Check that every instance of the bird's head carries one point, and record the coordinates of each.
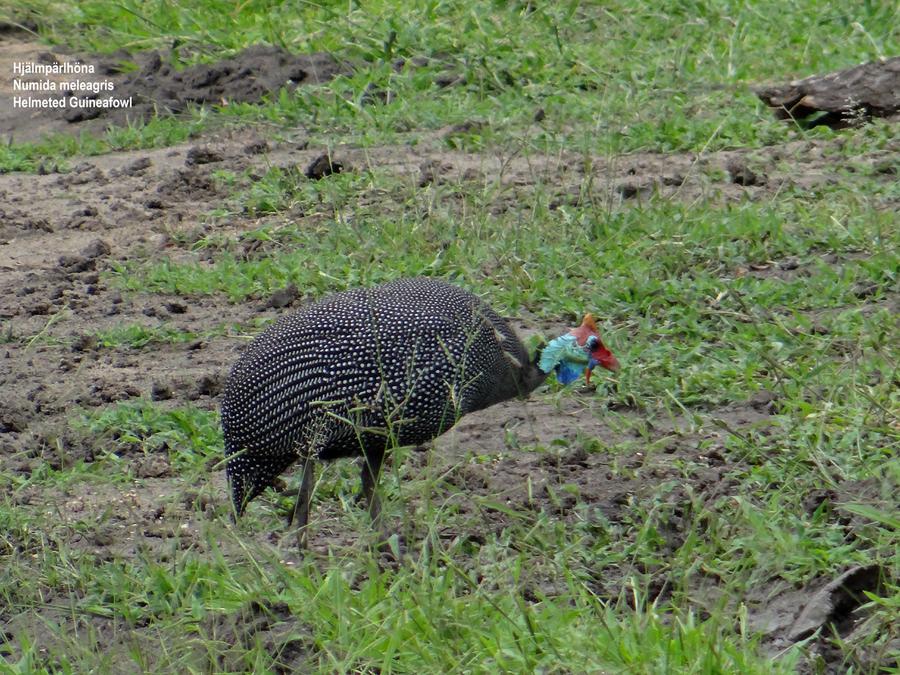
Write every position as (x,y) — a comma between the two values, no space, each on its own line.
(578,351)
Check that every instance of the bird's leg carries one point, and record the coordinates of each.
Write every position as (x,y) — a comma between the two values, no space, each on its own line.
(371,468)
(300,514)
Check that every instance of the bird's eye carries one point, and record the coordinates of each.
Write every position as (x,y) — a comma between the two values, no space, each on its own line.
(592,343)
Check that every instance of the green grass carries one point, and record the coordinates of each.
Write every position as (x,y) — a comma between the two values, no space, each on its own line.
(438,617)
(445,608)
(706,301)
(663,273)
(609,77)
(138,336)
(189,435)
(54,152)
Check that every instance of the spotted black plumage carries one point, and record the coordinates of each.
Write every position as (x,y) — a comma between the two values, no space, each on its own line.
(361,370)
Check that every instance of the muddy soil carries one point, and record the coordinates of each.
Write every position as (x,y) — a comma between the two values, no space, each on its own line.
(61,232)
(148,80)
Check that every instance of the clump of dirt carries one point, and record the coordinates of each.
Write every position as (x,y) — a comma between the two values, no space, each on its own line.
(741,174)
(323,166)
(256,72)
(155,87)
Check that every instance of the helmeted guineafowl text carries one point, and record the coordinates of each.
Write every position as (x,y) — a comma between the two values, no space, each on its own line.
(361,371)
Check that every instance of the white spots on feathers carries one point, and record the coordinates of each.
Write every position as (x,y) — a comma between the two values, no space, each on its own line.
(399,362)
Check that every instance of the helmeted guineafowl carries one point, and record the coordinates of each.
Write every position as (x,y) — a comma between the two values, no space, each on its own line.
(365,369)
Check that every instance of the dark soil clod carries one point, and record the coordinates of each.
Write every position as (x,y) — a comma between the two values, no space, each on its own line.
(85,343)
(75,263)
(258,147)
(375,95)
(741,174)
(431,171)
(323,166)
(97,248)
(632,190)
(156,87)
(202,155)
(211,385)
(247,77)
(160,392)
(284,297)
(137,166)
(448,79)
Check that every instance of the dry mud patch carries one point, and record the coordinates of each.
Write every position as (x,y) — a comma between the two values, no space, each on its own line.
(147,80)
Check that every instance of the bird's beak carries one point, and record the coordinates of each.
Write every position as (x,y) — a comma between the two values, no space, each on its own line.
(612,365)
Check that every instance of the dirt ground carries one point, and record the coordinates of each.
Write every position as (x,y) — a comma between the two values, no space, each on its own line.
(60,231)
(150,83)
